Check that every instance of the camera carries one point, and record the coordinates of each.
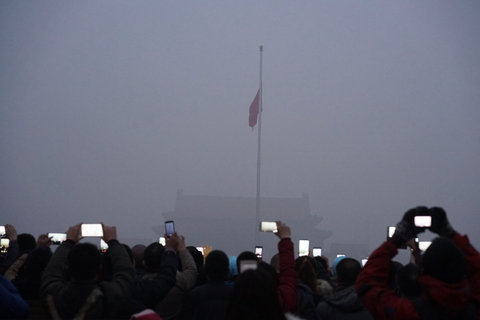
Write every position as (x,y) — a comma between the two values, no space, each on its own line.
(303,247)
(162,241)
(259,252)
(423,245)
(266,226)
(92,230)
(423,221)
(169,228)
(364,261)
(4,243)
(103,245)
(57,238)
(390,232)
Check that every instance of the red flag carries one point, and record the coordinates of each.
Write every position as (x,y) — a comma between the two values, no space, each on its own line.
(254,108)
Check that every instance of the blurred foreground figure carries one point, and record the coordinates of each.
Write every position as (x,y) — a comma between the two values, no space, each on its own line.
(83,297)
(256,294)
(344,303)
(449,274)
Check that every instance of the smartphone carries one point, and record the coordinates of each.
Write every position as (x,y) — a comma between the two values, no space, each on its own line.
(162,241)
(57,238)
(103,245)
(317,251)
(169,228)
(92,230)
(2,231)
(247,265)
(4,243)
(200,249)
(423,221)
(303,247)
(266,226)
(390,232)
(340,255)
(259,252)
(364,261)
(423,245)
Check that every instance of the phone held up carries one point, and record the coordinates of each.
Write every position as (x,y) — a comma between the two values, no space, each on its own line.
(169,228)
(259,252)
(423,221)
(317,251)
(266,226)
(303,247)
(57,238)
(91,230)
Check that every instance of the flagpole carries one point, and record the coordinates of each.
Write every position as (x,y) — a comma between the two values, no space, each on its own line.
(257,203)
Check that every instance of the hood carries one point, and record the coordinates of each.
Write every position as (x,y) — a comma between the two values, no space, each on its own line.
(324,288)
(451,297)
(345,300)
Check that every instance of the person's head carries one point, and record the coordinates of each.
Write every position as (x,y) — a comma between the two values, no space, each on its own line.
(36,262)
(84,261)
(245,255)
(268,268)
(275,262)
(137,251)
(216,265)
(152,257)
(254,296)
(407,280)
(444,261)
(306,270)
(26,242)
(333,269)
(348,270)
(197,257)
(323,263)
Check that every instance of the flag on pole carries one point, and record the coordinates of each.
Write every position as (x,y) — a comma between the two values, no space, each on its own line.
(254,109)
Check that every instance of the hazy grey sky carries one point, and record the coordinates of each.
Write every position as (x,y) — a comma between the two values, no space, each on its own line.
(107,108)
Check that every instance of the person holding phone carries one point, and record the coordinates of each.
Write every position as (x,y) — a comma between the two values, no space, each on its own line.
(80,295)
(161,263)
(171,305)
(13,248)
(449,279)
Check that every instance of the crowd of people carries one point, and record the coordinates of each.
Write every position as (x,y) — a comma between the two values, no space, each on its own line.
(175,281)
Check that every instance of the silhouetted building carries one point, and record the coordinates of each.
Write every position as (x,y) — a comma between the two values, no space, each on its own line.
(229,223)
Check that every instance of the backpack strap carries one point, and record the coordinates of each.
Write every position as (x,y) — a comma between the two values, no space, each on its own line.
(92,298)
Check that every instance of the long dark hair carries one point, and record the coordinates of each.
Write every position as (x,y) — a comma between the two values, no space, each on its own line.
(306,270)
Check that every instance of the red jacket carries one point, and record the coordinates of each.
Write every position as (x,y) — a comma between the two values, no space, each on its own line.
(287,289)
(383,303)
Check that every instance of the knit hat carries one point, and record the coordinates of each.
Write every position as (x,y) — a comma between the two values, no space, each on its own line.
(232,264)
(334,265)
(443,260)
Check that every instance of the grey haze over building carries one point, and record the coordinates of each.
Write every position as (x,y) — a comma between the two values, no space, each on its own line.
(108,108)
